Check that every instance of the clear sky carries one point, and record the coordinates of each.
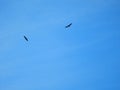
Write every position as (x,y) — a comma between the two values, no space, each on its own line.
(85,56)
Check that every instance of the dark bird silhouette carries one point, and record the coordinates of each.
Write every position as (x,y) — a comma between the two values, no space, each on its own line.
(68,25)
(25,38)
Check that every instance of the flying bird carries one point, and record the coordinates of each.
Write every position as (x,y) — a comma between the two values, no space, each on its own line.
(25,38)
(68,25)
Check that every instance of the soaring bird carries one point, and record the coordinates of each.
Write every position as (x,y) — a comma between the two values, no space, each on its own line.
(25,38)
(68,25)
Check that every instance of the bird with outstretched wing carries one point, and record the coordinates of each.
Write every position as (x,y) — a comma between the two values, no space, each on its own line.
(25,38)
(68,25)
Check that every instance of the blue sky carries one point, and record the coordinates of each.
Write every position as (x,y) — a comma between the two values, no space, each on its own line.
(85,56)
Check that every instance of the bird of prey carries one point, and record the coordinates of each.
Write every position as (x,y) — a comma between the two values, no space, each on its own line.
(25,38)
(68,25)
